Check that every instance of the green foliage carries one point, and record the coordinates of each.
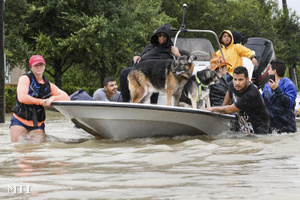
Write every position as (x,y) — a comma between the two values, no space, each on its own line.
(16,48)
(288,28)
(99,36)
(85,41)
(10,98)
(253,18)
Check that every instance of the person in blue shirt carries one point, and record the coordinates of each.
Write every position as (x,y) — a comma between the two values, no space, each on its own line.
(279,97)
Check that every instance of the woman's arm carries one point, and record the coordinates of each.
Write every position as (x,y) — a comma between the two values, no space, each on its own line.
(22,92)
(56,95)
(175,51)
(24,97)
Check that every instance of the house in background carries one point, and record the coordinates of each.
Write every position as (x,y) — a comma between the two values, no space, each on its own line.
(12,77)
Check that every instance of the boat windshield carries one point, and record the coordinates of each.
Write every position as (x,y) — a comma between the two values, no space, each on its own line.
(200,47)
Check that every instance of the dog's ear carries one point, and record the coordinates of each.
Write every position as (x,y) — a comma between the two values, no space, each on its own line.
(191,58)
(204,76)
(213,73)
(199,73)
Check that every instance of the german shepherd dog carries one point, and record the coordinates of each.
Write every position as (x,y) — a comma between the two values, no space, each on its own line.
(196,90)
(152,76)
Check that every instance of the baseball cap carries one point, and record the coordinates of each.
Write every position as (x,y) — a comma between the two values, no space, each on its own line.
(36,59)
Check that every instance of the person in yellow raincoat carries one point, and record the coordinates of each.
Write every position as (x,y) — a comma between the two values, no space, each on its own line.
(234,53)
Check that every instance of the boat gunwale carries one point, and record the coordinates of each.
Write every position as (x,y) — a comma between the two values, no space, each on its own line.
(140,106)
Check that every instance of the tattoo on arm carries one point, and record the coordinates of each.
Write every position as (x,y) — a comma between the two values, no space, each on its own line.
(223,111)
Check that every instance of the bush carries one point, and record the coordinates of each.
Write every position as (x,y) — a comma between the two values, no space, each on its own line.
(10,98)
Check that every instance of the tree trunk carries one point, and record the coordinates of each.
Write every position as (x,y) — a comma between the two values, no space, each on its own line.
(2,65)
(284,7)
(58,77)
(103,73)
(293,76)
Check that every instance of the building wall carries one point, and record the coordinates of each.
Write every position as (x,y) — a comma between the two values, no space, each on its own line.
(14,76)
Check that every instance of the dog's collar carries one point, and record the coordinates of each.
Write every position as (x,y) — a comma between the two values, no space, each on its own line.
(200,85)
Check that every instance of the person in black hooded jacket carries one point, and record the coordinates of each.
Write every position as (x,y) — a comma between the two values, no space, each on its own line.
(238,38)
(160,47)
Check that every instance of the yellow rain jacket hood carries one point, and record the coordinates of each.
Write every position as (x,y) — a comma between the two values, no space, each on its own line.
(234,53)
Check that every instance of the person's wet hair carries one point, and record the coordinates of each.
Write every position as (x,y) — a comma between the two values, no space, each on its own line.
(108,79)
(279,66)
(241,70)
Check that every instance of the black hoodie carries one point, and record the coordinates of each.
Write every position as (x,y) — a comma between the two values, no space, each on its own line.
(156,50)
(237,37)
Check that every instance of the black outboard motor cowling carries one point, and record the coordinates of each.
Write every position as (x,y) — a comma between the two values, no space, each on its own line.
(264,52)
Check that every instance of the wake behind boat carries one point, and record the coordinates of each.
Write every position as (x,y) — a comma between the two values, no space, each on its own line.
(115,120)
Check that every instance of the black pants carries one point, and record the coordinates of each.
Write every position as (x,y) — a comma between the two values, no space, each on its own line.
(125,90)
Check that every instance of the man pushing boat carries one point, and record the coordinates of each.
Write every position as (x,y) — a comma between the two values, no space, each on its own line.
(252,115)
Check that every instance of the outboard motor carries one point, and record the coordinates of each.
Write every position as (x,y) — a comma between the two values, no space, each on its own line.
(264,52)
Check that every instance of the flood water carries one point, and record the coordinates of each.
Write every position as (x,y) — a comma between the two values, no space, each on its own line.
(72,164)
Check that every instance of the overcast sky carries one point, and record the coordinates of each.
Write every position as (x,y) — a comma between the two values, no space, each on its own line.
(293,4)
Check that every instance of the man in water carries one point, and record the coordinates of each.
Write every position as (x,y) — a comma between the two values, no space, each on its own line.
(252,115)
(109,92)
(279,96)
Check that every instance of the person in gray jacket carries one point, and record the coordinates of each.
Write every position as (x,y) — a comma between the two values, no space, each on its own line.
(109,92)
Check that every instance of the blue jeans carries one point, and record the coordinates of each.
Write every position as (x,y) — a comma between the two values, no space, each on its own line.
(15,122)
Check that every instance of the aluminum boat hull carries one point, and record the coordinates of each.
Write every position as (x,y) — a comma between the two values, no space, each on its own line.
(113,120)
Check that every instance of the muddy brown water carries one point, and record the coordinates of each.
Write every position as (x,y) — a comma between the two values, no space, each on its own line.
(72,164)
